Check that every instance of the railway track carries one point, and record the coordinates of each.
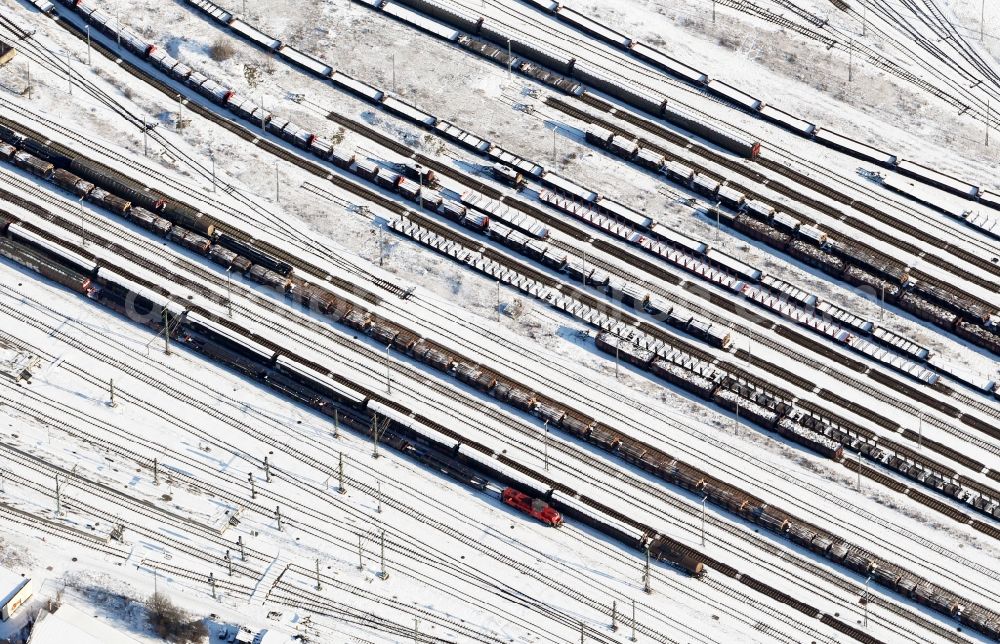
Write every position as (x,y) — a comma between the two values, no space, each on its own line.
(574,231)
(61,531)
(395,207)
(296,503)
(782,347)
(836,38)
(144,508)
(871,390)
(650,75)
(945,286)
(325,605)
(221,583)
(319,529)
(798,197)
(273,222)
(945,508)
(157,536)
(958,93)
(786,332)
(182,476)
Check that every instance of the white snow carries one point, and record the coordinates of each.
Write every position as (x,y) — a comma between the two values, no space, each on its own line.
(462,567)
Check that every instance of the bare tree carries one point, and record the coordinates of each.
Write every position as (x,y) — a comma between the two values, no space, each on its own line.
(171,623)
(253,75)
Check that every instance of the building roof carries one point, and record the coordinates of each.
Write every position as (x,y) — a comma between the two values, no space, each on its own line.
(6,52)
(70,624)
(11,583)
(271,636)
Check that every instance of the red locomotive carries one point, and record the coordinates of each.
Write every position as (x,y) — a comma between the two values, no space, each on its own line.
(535,507)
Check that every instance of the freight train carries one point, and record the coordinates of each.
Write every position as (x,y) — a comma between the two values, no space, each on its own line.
(321,390)
(851,261)
(308,383)
(493,40)
(428,197)
(749,403)
(843,259)
(823,436)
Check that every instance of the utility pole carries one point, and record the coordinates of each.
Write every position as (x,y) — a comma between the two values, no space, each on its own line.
(180,112)
(229,562)
(239,542)
(987,122)
(617,342)
(920,431)
(156,472)
(381,254)
(385,573)
(982,19)
(510,60)
(267,470)
(581,632)
(319,586)
(212,154)
(378,496)
(253,487)
(864,17)
(614,615)
(341,489)
(867,581)
(69,75)
(374,427)
(58,497)
(336,426)
(554,143)
(545,445)
(850,61)
(111,389)
(633,620)
(277,513)
(645,578)
(145,133)
(88,46)
(420,177)
(388,370)
(166,333)
(229,271)
(211,580)
(393,72)
(859,471)
(277,197)
(28,63)
(703,500)
(713,12)
(361,563)
(498,300)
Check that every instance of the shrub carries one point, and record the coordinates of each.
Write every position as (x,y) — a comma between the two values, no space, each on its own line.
(173,624)
(222,49)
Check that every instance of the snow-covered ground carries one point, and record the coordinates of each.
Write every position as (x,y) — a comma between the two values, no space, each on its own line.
(462,566)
